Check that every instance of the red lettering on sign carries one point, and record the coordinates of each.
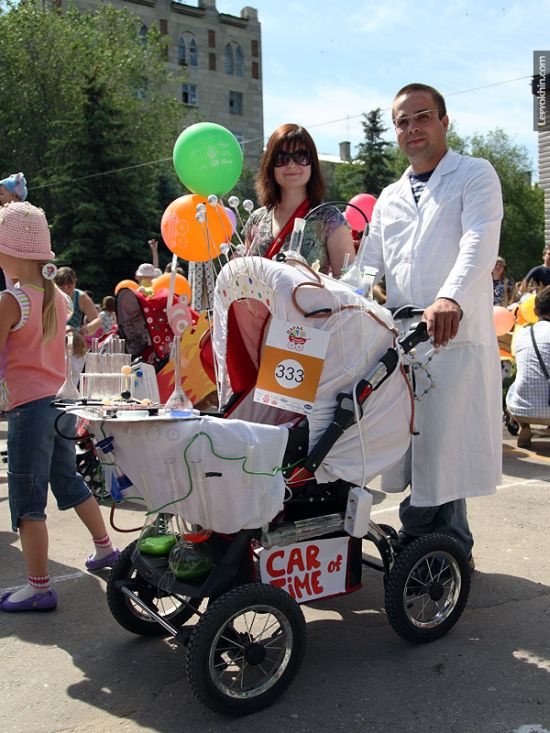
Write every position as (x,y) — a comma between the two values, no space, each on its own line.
(295,561)
(269,564)
(315,585)
(312,552)
(300,585)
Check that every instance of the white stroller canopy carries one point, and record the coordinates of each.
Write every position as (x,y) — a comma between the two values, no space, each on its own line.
(251,290)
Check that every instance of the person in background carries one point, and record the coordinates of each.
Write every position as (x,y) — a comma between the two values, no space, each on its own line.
(289,185)
(154,247)
(32,337)
(83,305)
(78,357)
(12,188)
(528,399)
(503,288)
(145,275)
(539,276)
(106,320)
(434,235)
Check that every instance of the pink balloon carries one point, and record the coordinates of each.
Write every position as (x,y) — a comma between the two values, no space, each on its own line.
(232,218)
(365,202)
(503,320)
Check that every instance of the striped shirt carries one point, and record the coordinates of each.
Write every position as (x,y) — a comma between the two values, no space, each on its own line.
(418,183)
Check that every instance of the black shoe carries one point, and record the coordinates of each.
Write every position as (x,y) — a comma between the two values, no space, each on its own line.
(404,538)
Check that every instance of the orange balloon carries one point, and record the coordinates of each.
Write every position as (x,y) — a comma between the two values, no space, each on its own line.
(181,286)
(192,240)
(503,320)
(132,284)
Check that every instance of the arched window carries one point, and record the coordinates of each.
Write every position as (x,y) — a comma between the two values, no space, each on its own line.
(239,61)
(182,60)
(228,59)
(193,52)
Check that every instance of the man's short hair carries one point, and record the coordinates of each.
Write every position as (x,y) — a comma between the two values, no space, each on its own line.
(542,302)
(437,96)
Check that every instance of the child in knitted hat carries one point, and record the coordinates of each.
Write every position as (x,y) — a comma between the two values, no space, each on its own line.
(32,337)
(13,188)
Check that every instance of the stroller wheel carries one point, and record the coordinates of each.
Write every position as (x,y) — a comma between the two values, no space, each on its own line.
(130,615)
(246,649)
(427,588)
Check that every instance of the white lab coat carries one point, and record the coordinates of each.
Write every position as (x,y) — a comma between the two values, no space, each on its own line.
(446,246)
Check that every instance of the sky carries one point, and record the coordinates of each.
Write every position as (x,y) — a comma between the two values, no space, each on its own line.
(326,63)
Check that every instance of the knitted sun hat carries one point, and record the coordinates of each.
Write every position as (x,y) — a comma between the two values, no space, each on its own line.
(145,270)
(24,232)
(16,184)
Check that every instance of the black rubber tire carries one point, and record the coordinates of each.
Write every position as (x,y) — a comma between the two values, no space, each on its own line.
(427,588)
(207,648)
(130,615)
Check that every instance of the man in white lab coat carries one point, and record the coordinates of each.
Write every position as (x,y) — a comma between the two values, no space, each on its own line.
(435,236)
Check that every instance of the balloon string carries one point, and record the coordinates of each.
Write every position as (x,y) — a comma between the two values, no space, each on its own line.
(172,281)
(220,220)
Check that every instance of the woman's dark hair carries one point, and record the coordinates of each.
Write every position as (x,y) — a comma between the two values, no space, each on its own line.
(288,137)
(109,303)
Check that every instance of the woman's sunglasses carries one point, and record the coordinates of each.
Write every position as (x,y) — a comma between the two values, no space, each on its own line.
(300,157)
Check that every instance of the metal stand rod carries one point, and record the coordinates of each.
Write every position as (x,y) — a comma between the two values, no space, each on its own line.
(150,612)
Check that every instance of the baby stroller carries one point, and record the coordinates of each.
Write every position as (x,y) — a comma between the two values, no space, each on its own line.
(258,510)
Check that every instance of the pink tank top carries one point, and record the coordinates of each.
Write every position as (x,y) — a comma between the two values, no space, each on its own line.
(34,369)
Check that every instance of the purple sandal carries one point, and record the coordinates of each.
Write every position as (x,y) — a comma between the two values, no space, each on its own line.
(105,562)
(39,602)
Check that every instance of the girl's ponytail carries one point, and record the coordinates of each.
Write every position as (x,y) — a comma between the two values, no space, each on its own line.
(49,315)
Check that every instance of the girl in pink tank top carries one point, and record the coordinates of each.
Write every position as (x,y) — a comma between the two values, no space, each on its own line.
(32,333)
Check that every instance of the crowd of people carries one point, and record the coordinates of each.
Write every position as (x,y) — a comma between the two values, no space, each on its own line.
(433,241)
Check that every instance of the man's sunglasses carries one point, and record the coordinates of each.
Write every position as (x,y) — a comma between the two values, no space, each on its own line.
(420,119)
(300,157)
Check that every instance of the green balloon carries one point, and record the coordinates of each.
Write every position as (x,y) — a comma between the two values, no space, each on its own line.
(208,159)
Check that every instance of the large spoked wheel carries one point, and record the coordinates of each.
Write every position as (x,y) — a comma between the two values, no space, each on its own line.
(129,614)
(427,588)
(246,649)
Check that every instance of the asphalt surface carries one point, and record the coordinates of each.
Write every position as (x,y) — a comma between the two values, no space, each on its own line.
(76,669)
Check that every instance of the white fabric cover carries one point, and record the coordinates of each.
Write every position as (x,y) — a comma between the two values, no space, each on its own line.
(256,287)
(226,495)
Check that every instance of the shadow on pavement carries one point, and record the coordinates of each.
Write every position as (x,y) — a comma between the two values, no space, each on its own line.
(498,645)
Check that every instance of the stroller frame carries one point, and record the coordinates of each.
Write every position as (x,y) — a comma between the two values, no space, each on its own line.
(249,641)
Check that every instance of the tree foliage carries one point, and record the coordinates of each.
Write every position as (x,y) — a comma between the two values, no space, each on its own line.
(522,235)
(85,108)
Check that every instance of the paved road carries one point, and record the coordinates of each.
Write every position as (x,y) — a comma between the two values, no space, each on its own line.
(77,670)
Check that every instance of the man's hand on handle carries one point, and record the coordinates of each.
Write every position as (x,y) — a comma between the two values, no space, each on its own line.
(442,319)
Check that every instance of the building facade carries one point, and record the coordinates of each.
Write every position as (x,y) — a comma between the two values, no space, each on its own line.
(220,55)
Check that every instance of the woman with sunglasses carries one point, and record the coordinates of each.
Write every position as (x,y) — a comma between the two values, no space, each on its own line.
(289,184)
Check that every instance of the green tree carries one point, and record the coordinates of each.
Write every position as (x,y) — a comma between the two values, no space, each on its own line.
(85,107)
(375,154)
(522,235)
